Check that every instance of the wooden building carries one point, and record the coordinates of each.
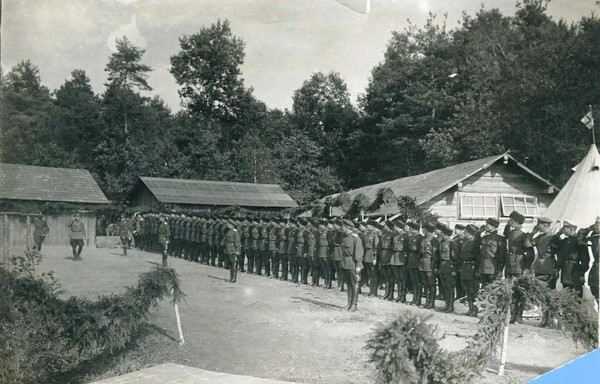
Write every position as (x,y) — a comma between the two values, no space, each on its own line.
(26,191)
(203,195)
(473,191)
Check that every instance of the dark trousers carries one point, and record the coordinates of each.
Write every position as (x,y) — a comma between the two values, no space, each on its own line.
(305,264)
(275,263)
(165,252)
(284,266)
(447,286)
(415,277)
(486,279)
(77,246)
(471,287)
(325,266)
(349,277)
(339,273)
(367,272)
(251,259)
(38,240)
(315,271)
(400,276)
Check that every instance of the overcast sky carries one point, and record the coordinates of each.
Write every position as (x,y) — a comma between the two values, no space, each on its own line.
(286,40)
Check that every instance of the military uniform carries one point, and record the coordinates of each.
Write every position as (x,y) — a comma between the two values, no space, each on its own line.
(284,251)
(273,249)
(322,247)
(398,264)
(232,248)
(427,256)
(383,261)
(592,244)
(544,247)
(40,230)
(492,254)
(572,262)
(412,262)
(517,259)
(370,243)
(468,265)
(352,254)
(164,237)
(445,265)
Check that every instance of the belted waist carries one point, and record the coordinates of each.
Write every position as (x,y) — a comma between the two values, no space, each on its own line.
(469,261)
(572,261)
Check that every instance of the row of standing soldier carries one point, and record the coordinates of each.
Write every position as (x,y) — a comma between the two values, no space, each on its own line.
(399,257)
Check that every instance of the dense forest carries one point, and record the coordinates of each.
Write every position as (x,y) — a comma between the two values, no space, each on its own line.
(440,96)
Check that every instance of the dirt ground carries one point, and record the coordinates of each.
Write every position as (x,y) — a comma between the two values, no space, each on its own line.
(268,328)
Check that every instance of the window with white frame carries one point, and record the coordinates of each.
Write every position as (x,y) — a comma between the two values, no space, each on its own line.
(525,205)
(478,205)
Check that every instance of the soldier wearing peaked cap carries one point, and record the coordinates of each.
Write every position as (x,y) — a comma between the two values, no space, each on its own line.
(338,235)
(164,234)
(322,247)
(445,265)
(427,256)
(457,240)
(398,262)
(492,252)
(352,255)
(572,259)
(273,249)
(468,265)
(517,258)
(383,260)
(232,248)
(370,242)
(412,261)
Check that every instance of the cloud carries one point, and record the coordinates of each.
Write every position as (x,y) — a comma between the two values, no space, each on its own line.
(130,30)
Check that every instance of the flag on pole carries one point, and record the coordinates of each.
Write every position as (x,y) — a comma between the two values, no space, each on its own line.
(588,120)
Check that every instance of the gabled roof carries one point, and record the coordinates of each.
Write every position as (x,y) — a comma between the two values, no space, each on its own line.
(426,186)
(26,182)
(204,192)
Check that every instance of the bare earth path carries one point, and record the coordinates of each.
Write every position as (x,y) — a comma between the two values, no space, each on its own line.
(272,329)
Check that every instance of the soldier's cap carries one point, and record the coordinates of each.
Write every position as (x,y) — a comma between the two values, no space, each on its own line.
(413,225)
(389,224)
(493,222)
(399,224)
(459,227)
(567,224)
(545,220)
(348,223)
(516,216)
(444,229)
(473,230)
(429,227)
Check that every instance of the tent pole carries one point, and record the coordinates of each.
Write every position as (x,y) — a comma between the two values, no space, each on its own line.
(593,128)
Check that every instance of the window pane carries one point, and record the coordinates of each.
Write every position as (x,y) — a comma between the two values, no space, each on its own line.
(478,200)
(479,211)
(467,211)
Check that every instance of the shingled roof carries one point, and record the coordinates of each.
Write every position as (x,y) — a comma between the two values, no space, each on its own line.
(26,182)
(426,186)
(204,192)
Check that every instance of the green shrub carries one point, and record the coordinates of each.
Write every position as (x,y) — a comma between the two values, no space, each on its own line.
(43,336)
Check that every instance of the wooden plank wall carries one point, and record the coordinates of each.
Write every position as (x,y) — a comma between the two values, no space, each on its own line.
(18,229)
(497,180)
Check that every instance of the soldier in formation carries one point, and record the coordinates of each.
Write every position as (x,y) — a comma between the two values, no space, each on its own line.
(383,255)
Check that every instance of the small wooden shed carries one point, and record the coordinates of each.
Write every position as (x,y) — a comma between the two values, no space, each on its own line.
(26,191)
(207,195)
(473,191)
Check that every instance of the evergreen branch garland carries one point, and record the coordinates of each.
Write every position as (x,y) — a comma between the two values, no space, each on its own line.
(343,201)
(384,197)
(44,336)
(407,350)
(360,204)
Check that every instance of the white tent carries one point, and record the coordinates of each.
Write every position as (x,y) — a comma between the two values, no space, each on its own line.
(579,200)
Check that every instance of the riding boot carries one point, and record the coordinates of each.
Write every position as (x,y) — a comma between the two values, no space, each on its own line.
(450,305)
(235,271)
(401,293)
(231,275)
(431,299)
(373,285)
